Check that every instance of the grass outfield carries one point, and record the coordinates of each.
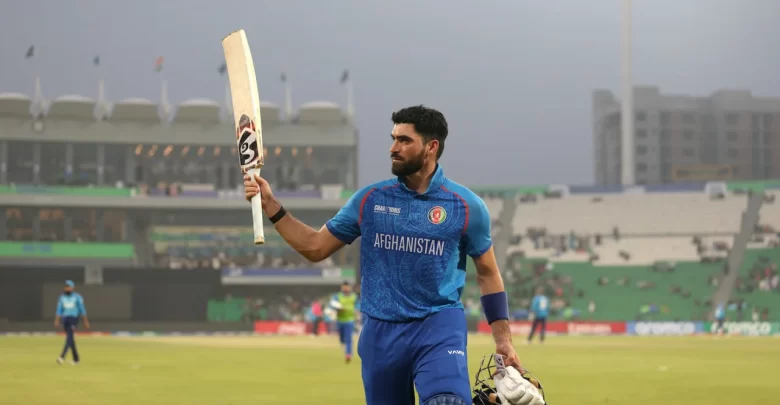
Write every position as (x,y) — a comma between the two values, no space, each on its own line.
(303,370)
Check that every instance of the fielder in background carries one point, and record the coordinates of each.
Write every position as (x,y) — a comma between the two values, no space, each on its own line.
(416,229)
(540,306)
(70,308)
(720,318)
(345,304)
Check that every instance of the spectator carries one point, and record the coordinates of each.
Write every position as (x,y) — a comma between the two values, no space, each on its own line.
(316,312)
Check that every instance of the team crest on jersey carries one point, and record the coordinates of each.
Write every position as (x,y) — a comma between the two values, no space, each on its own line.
(437,215)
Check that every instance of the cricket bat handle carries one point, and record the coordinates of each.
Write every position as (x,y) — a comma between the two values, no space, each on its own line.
(257,212)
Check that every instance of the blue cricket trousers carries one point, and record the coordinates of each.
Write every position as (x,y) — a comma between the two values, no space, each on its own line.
(428,353)
(69,324)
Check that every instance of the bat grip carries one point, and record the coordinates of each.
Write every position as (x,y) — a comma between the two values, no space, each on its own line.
(257,212)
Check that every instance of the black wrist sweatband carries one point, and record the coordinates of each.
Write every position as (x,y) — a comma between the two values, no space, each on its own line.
(279,215)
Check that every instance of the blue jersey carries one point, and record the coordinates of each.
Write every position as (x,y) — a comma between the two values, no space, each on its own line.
(414,246)
(720,313)
(71,305)
(540,305)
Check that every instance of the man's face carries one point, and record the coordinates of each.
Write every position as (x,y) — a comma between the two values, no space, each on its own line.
(68,289)
(346,289)
(408,152)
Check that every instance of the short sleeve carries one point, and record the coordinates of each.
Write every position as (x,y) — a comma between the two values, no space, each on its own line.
(478,229)
(346,224)
(82,308)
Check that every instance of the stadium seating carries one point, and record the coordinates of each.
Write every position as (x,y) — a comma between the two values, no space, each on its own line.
(758,282)
(494,205)
(770,210)
(610,249)
(645,251)
(632,214)
(226,247)
(662,292)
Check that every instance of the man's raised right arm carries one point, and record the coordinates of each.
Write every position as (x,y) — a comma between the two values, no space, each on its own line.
(314,245)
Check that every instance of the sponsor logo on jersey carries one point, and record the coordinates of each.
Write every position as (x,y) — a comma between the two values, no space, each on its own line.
(409,244)
(437,215)
(381,209)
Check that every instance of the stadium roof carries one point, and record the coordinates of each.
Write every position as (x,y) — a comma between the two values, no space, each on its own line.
(135,109)
(270,112)
(13,96)
(137,100)
(198,111)
(15,105)
(72,107)
(199,102)
(321,105)
(316,112)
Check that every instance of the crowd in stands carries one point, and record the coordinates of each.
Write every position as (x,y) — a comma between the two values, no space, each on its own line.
(247,256)
(188,247)
(590,266)
(762,277)
(281,303)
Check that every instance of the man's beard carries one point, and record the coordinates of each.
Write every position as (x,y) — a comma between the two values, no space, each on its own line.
(409,167)
(68,292)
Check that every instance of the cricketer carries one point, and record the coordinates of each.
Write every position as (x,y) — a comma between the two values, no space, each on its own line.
(416,230)
(345,304)
(540,306)
(70,307)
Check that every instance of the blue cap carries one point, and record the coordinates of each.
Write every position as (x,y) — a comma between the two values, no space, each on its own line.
(70,283)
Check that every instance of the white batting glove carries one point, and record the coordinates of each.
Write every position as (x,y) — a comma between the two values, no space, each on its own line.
(513,389)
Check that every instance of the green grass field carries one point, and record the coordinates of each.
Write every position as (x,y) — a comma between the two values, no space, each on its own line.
(304,370)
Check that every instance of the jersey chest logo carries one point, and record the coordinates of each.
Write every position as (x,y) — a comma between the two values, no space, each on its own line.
(437,215)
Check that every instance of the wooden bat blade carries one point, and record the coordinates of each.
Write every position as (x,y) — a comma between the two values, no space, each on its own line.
(246,116)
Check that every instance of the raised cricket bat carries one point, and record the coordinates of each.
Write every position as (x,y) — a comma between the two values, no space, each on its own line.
(246,112)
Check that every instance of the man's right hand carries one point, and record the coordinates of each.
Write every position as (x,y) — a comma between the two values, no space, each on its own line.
(252,186)
(258,184)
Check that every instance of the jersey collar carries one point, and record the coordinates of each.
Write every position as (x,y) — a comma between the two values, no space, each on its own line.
(436,181)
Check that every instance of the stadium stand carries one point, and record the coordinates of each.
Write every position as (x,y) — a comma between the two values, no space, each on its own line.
(644,253)
(605,253)
(757,284)
(182,247)
(632,214)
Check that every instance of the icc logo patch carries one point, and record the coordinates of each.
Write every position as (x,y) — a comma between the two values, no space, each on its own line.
(437,215)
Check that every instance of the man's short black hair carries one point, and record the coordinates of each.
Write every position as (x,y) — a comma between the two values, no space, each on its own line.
(429,123)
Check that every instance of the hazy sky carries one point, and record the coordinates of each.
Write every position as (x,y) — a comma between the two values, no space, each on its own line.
(514,78)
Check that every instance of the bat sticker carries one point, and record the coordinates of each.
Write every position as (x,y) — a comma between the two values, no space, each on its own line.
(248,154)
